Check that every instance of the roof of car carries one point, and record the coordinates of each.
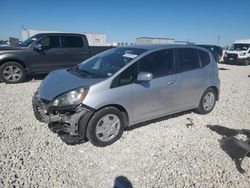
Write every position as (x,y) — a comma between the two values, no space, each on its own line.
(159,46)
(242,41)
(52,33)
(208,45)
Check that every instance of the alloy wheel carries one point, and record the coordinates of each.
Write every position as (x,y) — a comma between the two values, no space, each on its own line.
(12,73)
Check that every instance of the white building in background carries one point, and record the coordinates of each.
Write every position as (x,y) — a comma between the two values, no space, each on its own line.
(153,40)
(94,39)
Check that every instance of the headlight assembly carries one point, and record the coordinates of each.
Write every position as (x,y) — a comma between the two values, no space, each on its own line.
(73,97)
(242,54)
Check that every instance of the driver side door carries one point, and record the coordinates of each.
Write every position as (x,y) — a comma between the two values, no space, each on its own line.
(158,97)
(50,57)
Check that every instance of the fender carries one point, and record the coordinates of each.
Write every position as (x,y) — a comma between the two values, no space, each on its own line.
(14,57)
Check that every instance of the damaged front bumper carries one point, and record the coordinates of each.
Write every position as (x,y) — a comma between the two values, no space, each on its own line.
(69,120)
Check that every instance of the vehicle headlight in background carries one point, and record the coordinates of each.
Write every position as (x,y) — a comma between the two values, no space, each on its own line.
(73,97)
(242,54)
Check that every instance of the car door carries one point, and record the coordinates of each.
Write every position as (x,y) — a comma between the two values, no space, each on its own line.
(193,77)
(74,50)
(48,57)
(151,99)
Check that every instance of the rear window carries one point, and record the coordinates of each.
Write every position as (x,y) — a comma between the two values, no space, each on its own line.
(72,42)
(188,59)
(204,57)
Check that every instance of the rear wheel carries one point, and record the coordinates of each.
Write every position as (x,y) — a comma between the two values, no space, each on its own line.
(207,101)
(106,126)
(12,72)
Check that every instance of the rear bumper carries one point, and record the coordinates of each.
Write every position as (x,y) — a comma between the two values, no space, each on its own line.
(240,61)
(62,119)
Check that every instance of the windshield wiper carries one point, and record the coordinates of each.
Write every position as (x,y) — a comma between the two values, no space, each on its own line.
(87,73)
(76,70)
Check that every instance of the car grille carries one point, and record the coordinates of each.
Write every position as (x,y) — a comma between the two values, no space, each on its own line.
(234,56)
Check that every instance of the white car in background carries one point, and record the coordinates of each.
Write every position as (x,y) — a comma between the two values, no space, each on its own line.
(238,53)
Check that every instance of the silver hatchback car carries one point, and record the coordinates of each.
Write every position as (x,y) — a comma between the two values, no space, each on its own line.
(97,99)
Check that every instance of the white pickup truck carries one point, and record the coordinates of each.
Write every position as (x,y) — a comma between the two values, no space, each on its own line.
(238,53)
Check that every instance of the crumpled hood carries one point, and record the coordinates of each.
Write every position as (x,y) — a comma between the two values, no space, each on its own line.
(61,81)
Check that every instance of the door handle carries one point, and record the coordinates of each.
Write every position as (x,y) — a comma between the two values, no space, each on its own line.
(84,52)
(202,74)
(171,82)
(59,53)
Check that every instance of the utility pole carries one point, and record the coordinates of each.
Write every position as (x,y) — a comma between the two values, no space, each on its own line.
(218,40)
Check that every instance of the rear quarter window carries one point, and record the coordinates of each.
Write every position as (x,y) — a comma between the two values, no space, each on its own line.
(72,42)
(204,58)
(188,59)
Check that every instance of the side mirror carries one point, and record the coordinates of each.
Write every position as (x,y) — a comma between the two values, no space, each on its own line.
(144,76)
(37,47)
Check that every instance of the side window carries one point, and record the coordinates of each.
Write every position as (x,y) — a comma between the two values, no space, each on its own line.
(160,63)
(50,42)
(188,59)
(126,77)
(204,57)
(72,42)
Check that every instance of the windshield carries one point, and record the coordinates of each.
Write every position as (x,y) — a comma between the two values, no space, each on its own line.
(109,62)
(28,41)
(239,47)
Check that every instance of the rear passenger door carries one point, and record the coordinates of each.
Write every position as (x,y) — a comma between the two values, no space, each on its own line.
(193,76)
(74,51)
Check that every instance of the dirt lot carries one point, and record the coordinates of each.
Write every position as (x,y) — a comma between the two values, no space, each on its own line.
(163,153)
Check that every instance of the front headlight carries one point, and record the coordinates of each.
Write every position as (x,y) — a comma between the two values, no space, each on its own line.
(242,54)
(73,97)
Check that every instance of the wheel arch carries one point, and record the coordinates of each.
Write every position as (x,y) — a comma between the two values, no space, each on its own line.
(119,107)
(215,88)
(84,121)
(13,60)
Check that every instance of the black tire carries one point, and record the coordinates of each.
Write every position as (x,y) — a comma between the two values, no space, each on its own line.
(91,129)
(201,109)
(21,73)
(247,62)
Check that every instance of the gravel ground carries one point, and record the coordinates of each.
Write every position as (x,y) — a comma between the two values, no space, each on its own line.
(164,153)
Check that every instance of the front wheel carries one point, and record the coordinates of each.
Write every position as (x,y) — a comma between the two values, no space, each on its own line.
(12,72)
(247,62)
(207,101)
(106,126)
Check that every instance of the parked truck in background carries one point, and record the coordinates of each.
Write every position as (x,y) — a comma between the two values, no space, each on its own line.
(238,53)
(43,53)
(215,50)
